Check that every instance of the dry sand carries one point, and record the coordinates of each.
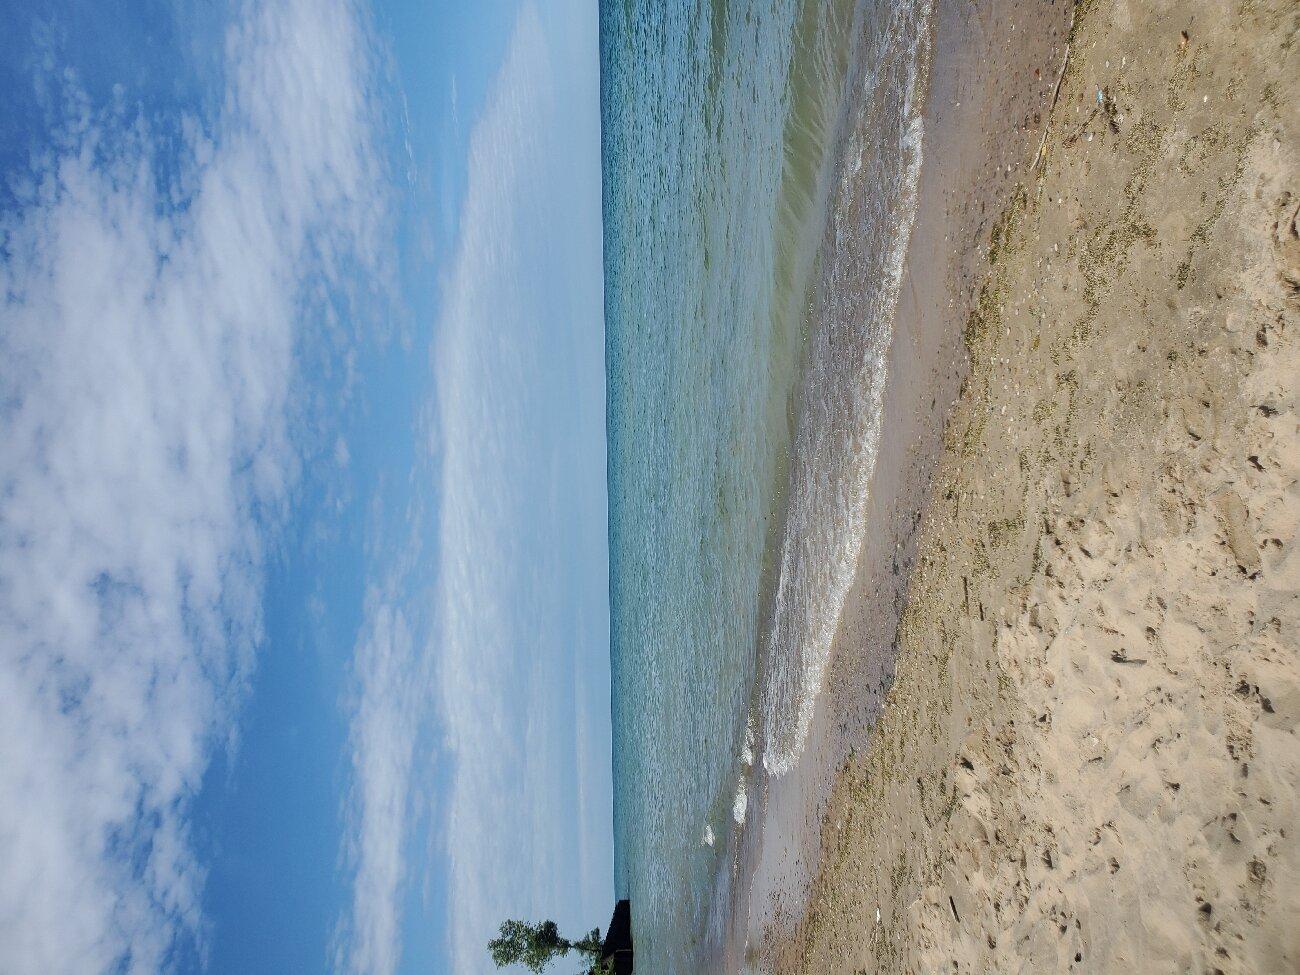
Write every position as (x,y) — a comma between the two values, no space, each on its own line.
(1088,758)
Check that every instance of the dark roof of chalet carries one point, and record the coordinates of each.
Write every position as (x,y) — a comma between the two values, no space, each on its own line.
(618,939)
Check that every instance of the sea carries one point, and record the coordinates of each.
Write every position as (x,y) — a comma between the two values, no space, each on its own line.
(760,162)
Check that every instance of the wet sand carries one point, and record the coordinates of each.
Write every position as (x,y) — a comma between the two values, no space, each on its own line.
(1078,750)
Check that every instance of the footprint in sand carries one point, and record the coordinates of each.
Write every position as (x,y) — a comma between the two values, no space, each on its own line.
(1286,239)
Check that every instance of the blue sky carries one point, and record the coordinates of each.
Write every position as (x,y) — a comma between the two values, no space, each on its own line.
(303,614)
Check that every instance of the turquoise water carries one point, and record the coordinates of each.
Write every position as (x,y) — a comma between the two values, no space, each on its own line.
(759,166)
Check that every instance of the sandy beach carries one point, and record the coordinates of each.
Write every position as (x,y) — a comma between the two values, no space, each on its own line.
(1059,729)
(926,363)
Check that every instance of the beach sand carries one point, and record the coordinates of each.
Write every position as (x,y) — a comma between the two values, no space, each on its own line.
(1078,750)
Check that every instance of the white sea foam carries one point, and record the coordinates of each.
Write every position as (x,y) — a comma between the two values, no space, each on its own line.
(740,804)
(837,442)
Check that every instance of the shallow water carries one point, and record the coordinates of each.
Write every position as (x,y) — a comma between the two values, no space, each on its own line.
(759,167)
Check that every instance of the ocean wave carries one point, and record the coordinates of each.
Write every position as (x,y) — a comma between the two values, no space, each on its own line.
(840,419)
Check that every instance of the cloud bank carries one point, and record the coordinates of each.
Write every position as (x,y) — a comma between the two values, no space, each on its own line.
(154,291)
(510,649)
(521,607)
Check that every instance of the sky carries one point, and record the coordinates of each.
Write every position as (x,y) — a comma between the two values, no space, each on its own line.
(304,652)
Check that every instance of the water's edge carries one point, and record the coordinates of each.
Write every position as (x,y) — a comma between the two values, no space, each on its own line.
(760,173)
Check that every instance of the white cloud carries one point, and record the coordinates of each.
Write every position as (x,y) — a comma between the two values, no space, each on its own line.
(147,350)
(521,605)
(391,703)
(510,651)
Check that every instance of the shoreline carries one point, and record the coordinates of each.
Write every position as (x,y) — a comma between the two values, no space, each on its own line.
(925,366)
(996,802)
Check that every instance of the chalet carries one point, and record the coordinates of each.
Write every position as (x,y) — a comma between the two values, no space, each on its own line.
(616,952)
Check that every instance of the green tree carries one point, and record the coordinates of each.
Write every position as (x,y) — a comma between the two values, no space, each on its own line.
(537,945)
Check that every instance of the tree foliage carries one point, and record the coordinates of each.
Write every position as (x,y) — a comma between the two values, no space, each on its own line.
(537,945)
